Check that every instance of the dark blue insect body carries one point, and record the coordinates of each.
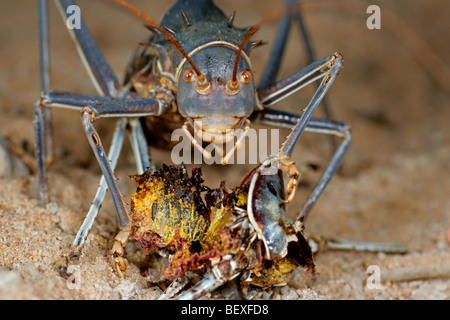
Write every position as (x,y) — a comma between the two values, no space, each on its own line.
(212,42)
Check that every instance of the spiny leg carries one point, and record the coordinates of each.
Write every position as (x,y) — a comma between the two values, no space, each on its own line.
(341,130)
(72,101)
(108,174)
(61,99)
(39,136)
(107,85)
(45,78)
(327,69)
(113,155)
(273,65)
(105,107)
(68,100)
(101,74)
(291,84)
(113,107)
(349,245)
(116,108)
(309,49)
(42,116)
(93,59)
(331,70)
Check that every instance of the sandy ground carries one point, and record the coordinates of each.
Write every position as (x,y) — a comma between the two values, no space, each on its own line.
(393,186)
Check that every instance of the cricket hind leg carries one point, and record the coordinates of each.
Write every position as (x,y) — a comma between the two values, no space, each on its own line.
(319,243)
(97,67)
(100,72)
(42,115)
(273,65)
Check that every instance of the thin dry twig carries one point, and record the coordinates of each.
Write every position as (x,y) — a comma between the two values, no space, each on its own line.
(416,272)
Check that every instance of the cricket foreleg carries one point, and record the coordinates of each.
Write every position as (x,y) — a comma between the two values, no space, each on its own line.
(324,126)
(342,131)
(113,155)
(116,108)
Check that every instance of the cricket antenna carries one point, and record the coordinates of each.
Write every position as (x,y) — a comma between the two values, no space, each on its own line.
(202,81)
(252,30)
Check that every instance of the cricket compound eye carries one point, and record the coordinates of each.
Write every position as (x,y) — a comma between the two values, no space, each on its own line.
(246,77)
(188,75)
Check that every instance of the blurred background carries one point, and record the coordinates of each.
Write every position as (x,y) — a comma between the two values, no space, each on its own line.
(393,184)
